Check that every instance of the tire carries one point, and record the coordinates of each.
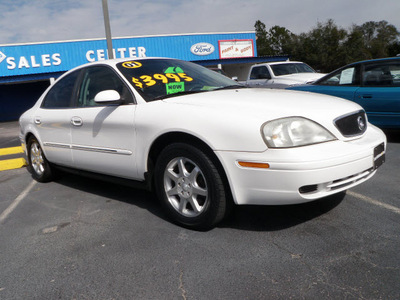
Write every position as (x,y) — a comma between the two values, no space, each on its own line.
(40,168)
(190,187)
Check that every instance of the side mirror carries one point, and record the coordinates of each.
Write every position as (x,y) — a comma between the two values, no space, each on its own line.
(108,97)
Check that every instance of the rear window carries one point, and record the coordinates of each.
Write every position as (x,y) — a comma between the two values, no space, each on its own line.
(60,95)
(382,74)
(286,69)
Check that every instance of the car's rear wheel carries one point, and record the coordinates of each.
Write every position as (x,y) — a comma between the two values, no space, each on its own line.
(190,186)
(39,166)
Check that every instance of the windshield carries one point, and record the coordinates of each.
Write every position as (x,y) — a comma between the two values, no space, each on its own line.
(286,69)
(157,79)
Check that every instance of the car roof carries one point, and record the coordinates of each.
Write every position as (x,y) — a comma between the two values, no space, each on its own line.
(113,62)
(283,62)
(374,60)
(109,62)
(355,64)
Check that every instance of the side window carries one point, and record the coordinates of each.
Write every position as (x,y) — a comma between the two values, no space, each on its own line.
(260,73)
(97,79)
(59,96)
(348,76)
(387,74)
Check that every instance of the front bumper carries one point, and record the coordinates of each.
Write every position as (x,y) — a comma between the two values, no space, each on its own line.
(23,144)
(304,174)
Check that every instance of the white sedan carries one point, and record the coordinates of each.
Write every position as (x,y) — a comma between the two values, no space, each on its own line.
(198,139)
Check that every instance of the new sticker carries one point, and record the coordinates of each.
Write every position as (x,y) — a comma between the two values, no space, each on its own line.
(175,87)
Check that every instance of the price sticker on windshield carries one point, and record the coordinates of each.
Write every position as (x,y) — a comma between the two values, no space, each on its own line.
(150,80)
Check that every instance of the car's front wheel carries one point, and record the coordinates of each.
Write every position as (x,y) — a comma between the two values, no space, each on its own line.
(190,186)
(39,166)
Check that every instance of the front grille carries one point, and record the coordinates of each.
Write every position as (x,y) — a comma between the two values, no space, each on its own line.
(353,124)
(336,185)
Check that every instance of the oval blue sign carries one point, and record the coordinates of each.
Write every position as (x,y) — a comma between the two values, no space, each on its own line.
(202,49)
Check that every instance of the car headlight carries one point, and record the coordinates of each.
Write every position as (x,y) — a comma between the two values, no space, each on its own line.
(294,132)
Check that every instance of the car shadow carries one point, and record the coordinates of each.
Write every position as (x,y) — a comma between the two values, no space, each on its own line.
(248,217)
(278,217)
(113,192)
(393,135)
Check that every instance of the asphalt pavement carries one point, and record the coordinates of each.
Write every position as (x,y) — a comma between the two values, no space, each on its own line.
(12,155)
(78,238)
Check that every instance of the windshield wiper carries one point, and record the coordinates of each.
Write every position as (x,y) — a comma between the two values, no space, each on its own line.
(228,87)
(231,87)
(177,94)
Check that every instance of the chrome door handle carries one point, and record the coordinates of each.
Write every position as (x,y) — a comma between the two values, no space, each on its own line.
(366,96)
(76,121)
(37,121)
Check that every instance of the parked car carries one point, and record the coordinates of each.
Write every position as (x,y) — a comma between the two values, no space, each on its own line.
(281,74)
(198,139)
(374,84)
(220,71)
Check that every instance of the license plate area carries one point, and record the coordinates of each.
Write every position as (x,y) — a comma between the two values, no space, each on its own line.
(379,155)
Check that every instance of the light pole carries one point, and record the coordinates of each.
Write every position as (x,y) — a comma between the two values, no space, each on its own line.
(108,30)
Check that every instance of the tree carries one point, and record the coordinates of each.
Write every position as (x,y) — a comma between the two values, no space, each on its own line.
(263,48)
(275,41)
(279,39)
(394,49)
(355,46)
(327,46)
(322,47)
(379,36)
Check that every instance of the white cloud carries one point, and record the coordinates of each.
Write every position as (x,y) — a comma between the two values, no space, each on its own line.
(24,21)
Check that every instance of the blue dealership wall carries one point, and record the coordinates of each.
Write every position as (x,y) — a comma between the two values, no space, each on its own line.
(32,59)
(16,98)
(22,64)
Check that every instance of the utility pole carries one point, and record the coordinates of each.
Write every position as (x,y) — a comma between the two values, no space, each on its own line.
(108,30)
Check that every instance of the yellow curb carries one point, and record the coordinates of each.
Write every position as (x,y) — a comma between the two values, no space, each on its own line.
(10,164)
(11,150)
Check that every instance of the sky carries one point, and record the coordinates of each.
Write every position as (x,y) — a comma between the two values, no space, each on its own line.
(33,21)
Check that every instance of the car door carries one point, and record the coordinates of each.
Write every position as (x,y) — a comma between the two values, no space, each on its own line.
(379,93)
(259,76)
(344,83)
(103,136)
(52,120)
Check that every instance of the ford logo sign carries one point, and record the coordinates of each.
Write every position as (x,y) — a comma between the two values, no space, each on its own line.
(202,49)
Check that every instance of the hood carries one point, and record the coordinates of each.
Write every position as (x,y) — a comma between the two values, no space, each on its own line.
(299,78)
(222,117)
(268,104)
